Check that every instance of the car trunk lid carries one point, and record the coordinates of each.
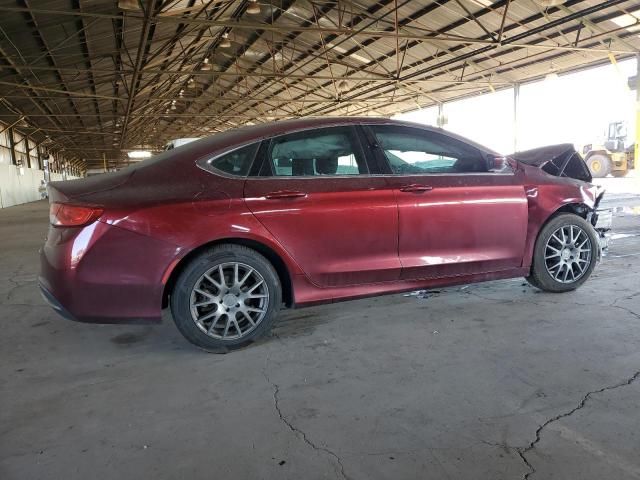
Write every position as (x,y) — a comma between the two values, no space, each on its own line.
(79,190)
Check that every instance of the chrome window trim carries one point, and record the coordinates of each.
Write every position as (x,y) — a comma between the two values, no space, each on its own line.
(381,175)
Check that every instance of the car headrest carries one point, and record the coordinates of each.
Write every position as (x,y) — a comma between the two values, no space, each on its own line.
(301,167)
(327,166)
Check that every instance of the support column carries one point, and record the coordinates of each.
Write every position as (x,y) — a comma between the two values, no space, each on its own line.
(441,121)
(516,111)
(636,157)
(38,154)
(12,147)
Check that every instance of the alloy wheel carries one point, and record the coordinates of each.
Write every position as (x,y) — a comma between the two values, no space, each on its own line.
(229,301)
(568,253)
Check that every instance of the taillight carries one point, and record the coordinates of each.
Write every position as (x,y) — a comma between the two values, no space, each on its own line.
(63,215)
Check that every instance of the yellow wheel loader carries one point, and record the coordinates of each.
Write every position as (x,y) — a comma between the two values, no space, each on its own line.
(614,156)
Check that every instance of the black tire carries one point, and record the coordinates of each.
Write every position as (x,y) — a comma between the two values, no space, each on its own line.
(532,281)
(619,173)
(599,165)
(540,276)
(193,274)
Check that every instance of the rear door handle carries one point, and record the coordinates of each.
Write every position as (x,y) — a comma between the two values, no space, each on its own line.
(416,188)
(285,194)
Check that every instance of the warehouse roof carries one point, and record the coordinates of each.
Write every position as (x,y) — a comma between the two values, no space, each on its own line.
(101,77)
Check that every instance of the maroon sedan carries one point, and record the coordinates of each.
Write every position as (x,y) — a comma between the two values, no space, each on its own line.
(229,229)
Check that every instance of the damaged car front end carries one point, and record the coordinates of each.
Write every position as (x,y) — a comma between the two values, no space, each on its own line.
(563,161)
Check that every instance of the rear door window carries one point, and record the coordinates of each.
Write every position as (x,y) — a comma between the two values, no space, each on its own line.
(333,151)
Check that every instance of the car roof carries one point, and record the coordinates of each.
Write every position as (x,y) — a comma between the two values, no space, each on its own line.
(234,138)
(270,129)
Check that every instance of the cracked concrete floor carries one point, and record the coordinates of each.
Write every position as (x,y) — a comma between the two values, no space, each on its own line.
(496,380)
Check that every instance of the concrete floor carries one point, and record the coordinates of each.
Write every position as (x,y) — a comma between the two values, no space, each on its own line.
(494,380)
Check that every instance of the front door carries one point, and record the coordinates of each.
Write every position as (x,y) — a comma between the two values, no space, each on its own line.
(316,197)
(456,217)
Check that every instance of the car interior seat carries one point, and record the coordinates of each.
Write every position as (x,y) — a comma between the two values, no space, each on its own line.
(327,165)
(301,167)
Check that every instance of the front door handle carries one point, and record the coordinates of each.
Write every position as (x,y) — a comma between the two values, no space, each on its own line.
(416,188)
(285,194)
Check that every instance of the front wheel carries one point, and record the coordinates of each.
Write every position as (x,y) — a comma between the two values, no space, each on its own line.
(226,298)
(565,254)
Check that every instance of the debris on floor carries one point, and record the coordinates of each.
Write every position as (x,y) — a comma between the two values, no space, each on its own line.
(422,294)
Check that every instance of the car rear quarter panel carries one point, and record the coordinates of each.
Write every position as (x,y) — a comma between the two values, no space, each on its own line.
(211,211)
(103,273)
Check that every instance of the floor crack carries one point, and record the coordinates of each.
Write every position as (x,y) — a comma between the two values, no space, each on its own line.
(297,431)
(522,452)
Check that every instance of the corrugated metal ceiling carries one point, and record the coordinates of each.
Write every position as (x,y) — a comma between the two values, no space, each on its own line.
(103,76)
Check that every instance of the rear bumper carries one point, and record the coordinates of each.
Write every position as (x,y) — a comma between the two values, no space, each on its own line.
(53,302)
(104,274)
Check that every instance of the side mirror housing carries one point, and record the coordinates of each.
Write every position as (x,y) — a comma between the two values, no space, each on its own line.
(499,165)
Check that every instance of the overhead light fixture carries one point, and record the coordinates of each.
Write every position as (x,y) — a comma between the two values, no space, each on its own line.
(551,77)
(205,64)
(552,74)
(253,8)
(550,3)
(225,43)
(129,5)
(139,154)
(343,86)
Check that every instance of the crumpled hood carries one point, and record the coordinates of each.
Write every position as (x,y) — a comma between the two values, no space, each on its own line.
(558,160)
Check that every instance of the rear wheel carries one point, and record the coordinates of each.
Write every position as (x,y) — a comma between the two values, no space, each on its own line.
(226,298)
(565,254)
(599,165)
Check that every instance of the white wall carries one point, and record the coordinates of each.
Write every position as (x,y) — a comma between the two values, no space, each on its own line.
(16,189)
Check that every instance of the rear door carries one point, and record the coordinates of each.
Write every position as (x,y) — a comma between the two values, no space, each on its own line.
(316,196)
(456,217)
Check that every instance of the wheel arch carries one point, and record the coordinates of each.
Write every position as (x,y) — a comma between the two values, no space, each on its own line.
(269,253)
(575,207)
(579,210)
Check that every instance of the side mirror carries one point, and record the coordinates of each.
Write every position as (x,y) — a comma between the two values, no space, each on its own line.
(499,165)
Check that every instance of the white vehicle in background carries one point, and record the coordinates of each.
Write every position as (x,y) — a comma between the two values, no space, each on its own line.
(178,142)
